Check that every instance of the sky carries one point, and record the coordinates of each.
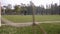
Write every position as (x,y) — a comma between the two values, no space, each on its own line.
(36,2)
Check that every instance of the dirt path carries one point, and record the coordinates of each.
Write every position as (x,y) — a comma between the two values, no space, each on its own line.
(7,22)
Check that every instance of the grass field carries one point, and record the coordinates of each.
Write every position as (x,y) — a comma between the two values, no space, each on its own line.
(53,28)
(28,18)
(50,29)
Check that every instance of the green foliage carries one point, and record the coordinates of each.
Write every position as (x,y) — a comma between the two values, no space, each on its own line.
(39,10)
(17,8)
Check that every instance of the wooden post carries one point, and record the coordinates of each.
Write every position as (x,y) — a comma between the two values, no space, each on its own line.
(33,16)
(33,12)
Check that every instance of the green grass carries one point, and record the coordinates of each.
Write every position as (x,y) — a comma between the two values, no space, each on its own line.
(28,18)
(18,30)
(50,29)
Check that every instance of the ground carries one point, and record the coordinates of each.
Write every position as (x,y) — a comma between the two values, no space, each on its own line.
(28,18)
(50,28)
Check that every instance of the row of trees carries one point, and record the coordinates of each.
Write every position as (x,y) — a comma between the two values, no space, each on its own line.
(27,10)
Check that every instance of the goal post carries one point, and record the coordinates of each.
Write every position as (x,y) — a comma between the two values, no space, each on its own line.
(0,14)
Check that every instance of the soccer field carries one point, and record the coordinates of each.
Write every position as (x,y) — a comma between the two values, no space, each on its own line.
(28,18)
(50,28)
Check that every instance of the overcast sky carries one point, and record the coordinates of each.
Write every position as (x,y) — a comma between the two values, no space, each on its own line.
(36,2)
